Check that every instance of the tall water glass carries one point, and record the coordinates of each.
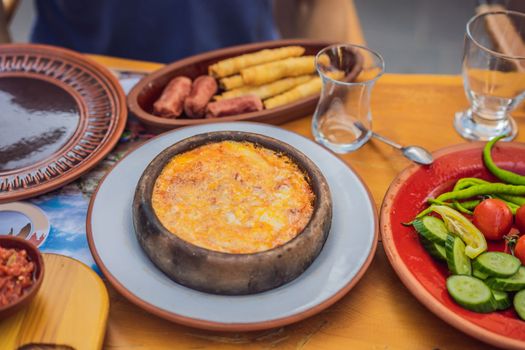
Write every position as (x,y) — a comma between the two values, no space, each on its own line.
(342,120)
(493,75)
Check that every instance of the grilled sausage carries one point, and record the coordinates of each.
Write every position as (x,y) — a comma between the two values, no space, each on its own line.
(171,102)
(204,87)
(232,106)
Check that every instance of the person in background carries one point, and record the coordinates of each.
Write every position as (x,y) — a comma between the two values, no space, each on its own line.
(167,30)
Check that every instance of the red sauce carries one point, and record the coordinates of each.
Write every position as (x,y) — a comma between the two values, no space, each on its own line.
(16,275)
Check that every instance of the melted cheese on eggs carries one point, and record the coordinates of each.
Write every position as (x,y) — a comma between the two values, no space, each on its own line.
(233,197)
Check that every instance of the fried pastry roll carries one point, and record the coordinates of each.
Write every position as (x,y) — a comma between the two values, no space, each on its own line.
(230,83)
(309,88)
(289,67)
(234,65)
(267,90)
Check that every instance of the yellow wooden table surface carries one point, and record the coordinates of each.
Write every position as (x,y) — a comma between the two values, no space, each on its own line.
(379,313)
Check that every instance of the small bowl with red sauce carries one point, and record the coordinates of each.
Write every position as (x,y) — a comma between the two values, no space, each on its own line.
(21,273)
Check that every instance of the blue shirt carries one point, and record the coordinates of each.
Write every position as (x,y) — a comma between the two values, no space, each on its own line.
(154,30)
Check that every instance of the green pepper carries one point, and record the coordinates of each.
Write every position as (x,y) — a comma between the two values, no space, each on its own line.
(467,182)
(480,190)
(519,201)
(465,207)
(502,174)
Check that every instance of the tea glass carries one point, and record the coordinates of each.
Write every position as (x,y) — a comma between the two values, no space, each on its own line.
(342,121)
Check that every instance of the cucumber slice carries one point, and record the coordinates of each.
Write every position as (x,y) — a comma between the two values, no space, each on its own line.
(519,304)
(513,283)
(497,264)
(457,261)
(501,299)
(477,273)
(471,293)
(432,229)
(435,250)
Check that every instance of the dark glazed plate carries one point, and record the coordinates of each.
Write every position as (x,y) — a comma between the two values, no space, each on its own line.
(148,90)
(61,114)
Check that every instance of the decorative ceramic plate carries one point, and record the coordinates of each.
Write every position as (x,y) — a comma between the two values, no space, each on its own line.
(343,260)
(61,114)
(148,90)
(422,275)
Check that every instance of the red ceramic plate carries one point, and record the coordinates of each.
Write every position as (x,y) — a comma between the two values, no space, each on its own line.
(422,275)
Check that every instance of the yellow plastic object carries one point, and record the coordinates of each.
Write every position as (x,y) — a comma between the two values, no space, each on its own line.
(70,309)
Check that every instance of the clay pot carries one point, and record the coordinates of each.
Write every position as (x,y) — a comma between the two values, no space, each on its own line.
(225,273)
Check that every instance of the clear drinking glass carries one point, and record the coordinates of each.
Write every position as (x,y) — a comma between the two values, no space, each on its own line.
(342,120)
(493,75)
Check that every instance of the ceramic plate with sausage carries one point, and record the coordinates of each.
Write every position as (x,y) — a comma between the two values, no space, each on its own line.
(269,82)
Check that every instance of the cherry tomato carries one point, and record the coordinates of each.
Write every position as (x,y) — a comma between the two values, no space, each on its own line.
(519,249)
(493,218)
(520,219)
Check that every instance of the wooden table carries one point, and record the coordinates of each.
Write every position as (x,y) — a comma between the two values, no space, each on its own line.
(379,313)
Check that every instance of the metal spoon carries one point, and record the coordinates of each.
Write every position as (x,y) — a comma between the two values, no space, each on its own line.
(414,153)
